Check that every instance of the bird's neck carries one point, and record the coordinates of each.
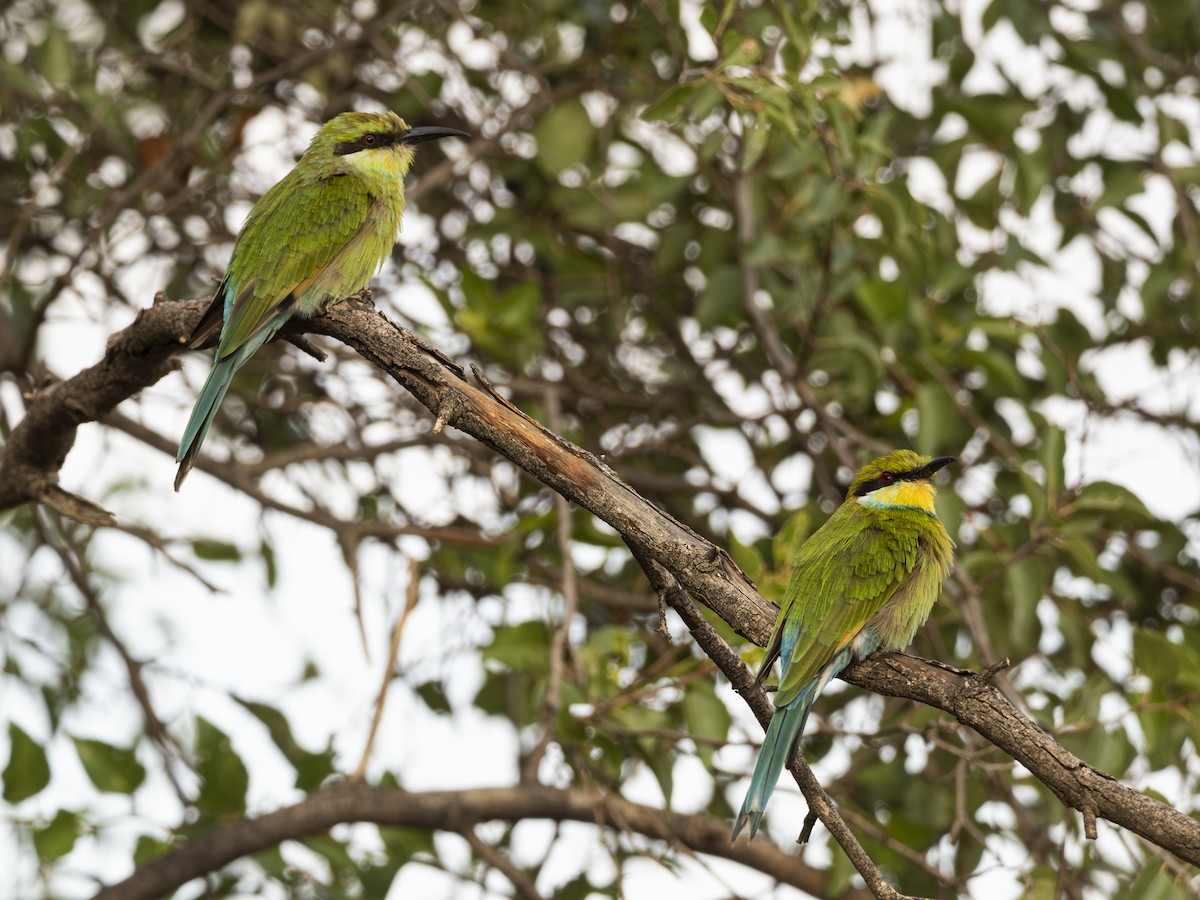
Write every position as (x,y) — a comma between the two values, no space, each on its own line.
(902,495)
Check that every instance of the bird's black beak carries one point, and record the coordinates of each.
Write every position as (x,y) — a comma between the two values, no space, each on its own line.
(930,468)
(423,133)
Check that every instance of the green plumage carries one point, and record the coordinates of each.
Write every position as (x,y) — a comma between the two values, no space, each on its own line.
(316,236)
(865,580)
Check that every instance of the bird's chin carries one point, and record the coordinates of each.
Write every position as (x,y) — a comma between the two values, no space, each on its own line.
(391,163)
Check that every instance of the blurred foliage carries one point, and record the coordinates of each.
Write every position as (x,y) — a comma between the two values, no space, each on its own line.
(737,254)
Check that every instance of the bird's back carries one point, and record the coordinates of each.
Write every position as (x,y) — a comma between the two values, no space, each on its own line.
(303,228)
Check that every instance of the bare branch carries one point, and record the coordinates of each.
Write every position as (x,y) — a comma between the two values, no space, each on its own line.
(456,811)
(559,645)
(521,882)
(411,594)
(975,702)
(135,358)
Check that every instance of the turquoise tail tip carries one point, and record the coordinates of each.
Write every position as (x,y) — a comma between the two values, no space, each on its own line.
(746,817)
(210,398)
(778,744)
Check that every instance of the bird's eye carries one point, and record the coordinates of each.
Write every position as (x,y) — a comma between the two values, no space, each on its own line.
(887,478)
(370,140)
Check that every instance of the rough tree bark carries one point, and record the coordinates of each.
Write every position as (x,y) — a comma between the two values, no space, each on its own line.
(354,801)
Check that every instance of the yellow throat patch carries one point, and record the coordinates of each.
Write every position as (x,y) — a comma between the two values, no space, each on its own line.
(391,163)
(917,494)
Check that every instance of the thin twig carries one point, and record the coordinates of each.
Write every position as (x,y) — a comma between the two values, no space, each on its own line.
(71,555)
(495,858)
(559,643)
(411,595)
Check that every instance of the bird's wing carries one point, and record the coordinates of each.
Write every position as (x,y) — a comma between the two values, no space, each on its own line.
(294,231)
(834,591)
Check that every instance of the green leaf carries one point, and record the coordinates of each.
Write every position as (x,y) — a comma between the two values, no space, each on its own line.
(565,137)
(54,57)
(705,717)
(149,849)
(1155,656)
(267,552)
(112,769)
(1026,587)
(277,725)
(434,695)
(1033,174)
(224,779)
(721,301)
(938,417)
(311,768)
(1154,882)
(56,839)
(503,695)
(1106,497)
(993,117)
(521,647)
(1053,448)
(218,551)
(789,539)
(27,771)
(755,142)
(1120,183)
(671,104)
(983,206)
(881,300)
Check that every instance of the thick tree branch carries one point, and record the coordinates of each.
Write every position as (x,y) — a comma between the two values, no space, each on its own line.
(135,358)
(455,811)
(975,702)
(141,353)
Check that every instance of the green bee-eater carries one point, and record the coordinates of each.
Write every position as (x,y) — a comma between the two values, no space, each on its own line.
(316,236)
(864,581)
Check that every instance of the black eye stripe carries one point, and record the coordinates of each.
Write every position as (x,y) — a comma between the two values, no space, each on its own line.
(366,142)
(876,483)
(920,473)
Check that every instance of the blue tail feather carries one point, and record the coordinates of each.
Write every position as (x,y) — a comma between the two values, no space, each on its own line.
(787,725)
(782,734)
(203,412)
(213,393)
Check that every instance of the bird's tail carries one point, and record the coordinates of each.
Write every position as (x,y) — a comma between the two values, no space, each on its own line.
(782,734)
(210,398)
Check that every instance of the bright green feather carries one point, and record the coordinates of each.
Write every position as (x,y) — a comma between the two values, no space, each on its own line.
(865,580)
(316,236)
(298,228)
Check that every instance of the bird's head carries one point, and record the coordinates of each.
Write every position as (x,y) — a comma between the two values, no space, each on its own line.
(900,479)
(373,143)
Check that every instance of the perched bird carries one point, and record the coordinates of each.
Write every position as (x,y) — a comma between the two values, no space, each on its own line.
(316,236)
(865,581)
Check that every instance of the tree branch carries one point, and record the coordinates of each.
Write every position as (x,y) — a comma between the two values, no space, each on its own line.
(455,811)
(975,702)
(135,358)
(140,354)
